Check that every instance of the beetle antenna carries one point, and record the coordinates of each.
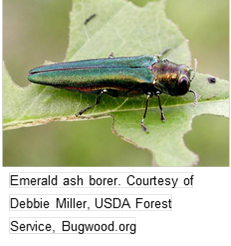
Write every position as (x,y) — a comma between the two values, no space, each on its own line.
(195,70)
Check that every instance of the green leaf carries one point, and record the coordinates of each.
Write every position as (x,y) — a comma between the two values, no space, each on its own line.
(126,30)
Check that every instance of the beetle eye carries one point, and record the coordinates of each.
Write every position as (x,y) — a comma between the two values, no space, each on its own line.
(183,85)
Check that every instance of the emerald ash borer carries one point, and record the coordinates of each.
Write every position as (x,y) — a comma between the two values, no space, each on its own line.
(119,77)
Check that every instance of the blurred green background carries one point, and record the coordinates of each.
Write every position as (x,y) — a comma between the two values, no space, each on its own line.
(35,31)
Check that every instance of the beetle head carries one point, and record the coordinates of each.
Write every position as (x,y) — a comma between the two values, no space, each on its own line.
(171,78)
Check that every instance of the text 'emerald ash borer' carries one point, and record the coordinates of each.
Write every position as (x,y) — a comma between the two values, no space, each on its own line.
(118,77)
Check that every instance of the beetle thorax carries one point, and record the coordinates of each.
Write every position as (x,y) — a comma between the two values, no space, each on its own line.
(165,71)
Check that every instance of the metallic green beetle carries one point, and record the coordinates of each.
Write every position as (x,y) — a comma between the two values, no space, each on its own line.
(119,77)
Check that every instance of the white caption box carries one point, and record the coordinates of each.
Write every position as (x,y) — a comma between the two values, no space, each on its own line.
(90,202)
(72,225)
(101,180)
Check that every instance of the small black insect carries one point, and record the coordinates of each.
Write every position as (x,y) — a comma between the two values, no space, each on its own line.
(212,80)
(89,18)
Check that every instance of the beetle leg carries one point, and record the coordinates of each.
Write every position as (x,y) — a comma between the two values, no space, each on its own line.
(165,60)
(195,97)
(97,102)
(163,53)
(111,55)
(149,95)
(161,110)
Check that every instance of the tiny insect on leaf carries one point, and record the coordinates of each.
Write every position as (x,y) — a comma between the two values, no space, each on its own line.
(211,80)
(89,18)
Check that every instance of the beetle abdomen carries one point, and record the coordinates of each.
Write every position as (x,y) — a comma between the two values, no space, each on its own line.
(117,73)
